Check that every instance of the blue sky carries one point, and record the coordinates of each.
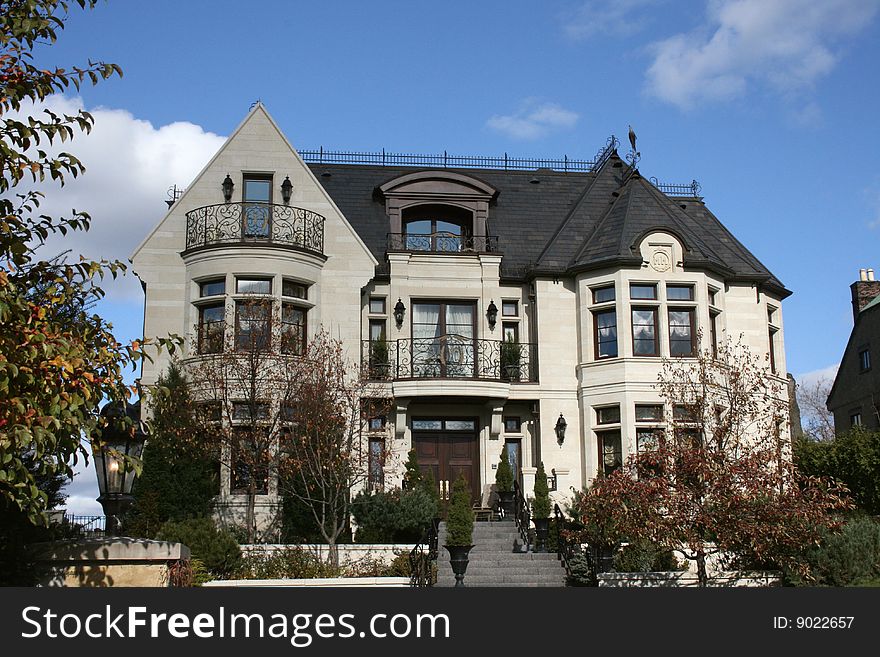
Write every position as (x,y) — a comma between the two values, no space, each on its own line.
(771,106)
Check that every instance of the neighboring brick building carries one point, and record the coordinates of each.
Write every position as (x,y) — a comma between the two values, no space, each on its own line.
(855,396)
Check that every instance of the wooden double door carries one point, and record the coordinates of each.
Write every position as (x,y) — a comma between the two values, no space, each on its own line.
(449,453)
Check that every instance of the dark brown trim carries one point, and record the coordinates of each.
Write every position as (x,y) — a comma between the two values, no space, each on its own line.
(653,310)
(692,313)
(596,313)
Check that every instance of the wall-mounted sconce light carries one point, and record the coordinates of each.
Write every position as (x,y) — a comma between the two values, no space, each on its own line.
(227,188)
(492,314)
(561,424)
(399,311)
(286,190)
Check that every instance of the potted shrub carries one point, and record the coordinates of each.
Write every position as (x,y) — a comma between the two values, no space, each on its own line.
(379,358)
(510,355)
(459,528)
(541,509)
(504,483)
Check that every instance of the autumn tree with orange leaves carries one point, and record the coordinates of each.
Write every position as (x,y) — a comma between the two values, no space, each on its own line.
(58,361)
(718,479)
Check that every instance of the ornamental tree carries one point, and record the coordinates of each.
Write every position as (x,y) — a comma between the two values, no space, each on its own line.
(719,478)
(58,361)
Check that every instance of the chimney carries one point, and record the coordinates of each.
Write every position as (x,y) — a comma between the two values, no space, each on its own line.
(864,291)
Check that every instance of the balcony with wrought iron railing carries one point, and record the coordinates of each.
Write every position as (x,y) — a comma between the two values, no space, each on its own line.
(442,242)
(231,224)
(450,357)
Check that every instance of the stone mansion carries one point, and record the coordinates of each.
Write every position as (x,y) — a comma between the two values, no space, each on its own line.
(519,305)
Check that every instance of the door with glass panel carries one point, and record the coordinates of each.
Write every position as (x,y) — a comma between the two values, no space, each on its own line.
(256,208)
(448,449)
(443,343)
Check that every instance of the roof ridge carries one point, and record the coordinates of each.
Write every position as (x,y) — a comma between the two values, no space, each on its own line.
(601,223)
(580,201)
(663,202)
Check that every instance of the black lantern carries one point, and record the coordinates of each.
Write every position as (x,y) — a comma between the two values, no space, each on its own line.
(286,190)
(561,424)
(492,313)
(115,474)
(399,310)
(227,188)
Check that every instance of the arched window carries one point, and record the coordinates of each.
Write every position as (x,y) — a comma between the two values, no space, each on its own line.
(443,228)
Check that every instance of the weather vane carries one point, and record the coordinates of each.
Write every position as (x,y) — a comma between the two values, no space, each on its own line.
(633,156)
(254,104)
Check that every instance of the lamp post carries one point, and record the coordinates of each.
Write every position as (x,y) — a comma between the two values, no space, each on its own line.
(115,475)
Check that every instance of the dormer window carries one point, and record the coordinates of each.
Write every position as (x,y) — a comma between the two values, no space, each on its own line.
(439,228)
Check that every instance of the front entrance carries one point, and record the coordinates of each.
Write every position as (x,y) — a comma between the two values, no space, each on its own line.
(448,448)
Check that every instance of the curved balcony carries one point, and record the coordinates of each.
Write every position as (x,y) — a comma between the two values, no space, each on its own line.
(450,357)
(231,224)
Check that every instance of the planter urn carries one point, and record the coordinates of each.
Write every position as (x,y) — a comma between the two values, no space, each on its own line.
(458,559)
(542,531)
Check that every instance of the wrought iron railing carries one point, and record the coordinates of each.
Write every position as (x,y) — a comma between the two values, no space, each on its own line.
(447,161)
(566,548)
(522,515)
(255,223)
(688,190)
(451,357)
(442,242)
(87,525)
(423,557)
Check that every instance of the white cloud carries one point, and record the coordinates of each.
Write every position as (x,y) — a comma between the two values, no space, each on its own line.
(130,164)
(810,379)
(606,17)
(533,120)
(786,44)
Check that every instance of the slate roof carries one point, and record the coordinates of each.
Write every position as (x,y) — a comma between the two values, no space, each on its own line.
(565,223)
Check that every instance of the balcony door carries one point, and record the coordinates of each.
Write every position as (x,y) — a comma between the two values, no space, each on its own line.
(256,208)
(444,335)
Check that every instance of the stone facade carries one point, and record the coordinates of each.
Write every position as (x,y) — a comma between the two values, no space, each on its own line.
(426,237)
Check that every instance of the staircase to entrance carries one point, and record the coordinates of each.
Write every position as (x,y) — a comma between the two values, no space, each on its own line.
(495,559)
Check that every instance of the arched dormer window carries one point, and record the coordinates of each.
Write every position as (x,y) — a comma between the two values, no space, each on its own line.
(439,228)
(438,211)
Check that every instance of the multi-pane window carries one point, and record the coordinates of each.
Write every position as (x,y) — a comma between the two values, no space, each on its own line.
(376,471)
(713,332)
(377,305)
(253,285)
(680,292)
(256,211)
(293,329)
(211,326)
(649,412)
(248,412)
(510,309)
(608,415)
(293,289)
(864,359)
(855,419)
(610,451)
(647,291)
(212,288)
(682,333)
(603,294)
(252,325)
(250,461)
(771,338)
(605,333)
(644,325)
